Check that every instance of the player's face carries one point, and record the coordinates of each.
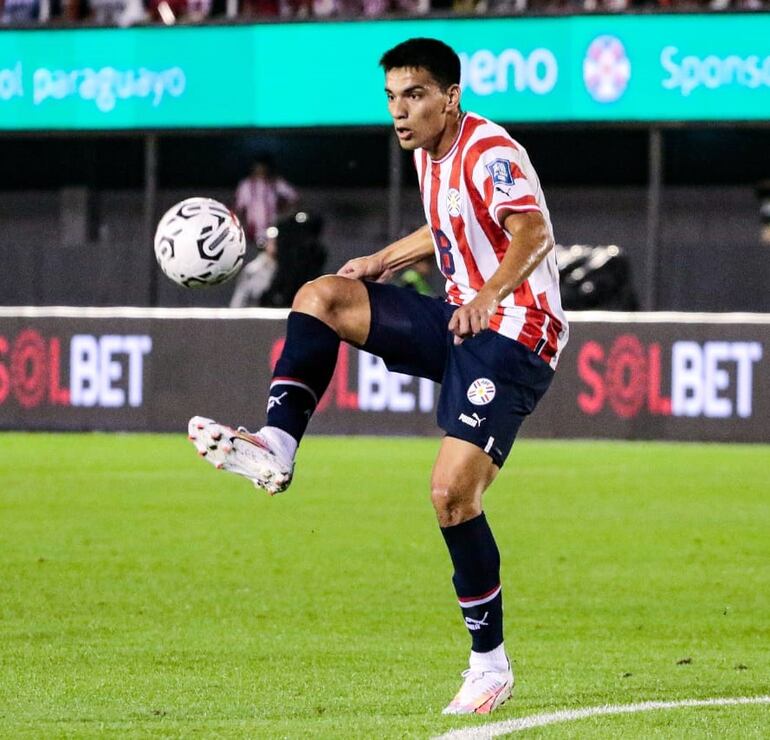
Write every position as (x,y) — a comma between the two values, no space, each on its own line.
(424,115)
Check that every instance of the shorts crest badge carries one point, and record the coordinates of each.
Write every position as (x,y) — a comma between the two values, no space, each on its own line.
(481,391)
(500,172)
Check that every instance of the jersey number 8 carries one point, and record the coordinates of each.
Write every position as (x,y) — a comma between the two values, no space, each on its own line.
(444,246)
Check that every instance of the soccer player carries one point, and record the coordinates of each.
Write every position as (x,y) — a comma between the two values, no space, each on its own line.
(493,343)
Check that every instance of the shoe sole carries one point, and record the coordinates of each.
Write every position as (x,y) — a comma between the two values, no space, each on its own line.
(228,449)
(487,707)
(494,702)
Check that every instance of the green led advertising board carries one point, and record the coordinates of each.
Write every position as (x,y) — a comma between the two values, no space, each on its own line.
(569,69)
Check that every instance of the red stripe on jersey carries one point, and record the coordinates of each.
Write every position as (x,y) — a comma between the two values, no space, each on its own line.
(497,319)
(435,222)
(525,200)
(489,191)
(495,235)
(532,330)
(423,170)
(435,184)
(454,295)
(458,224)
(552,332)
(525,204)
(525,209)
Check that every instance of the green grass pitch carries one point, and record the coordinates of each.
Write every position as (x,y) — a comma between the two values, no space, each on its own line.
(145,594)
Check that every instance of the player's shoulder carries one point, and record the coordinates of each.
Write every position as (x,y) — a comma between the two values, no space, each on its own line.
(488,135)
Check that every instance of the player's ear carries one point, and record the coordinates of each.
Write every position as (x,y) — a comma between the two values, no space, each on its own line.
(453,99)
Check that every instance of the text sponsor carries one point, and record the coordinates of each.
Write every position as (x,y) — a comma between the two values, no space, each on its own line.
(710,379)
(11,85)
(486,73)
(88,370)
(689,72)
(104,86)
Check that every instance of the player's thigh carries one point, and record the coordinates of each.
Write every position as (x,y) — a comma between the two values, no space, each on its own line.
(461,474)
(408,331)
(490,386)
(340,302)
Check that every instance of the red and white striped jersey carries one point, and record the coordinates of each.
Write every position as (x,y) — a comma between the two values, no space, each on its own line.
(467,195)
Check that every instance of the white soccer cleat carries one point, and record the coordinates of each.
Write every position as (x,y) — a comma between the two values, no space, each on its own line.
(482,692)
(240,452)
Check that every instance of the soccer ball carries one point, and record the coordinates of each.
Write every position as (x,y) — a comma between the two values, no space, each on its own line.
(199,242)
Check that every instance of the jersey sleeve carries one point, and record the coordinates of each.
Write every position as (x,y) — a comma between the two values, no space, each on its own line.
(498,177)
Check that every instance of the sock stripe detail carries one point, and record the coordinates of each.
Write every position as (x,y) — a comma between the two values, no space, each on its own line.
(467,601)
(296,384)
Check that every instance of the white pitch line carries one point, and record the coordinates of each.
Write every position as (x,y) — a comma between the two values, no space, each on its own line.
(509,726)
(143,312)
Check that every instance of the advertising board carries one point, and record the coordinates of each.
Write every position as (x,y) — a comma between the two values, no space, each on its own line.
(701,379)
(685,67)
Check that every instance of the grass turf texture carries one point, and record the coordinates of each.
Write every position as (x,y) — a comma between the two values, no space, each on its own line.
(144,593)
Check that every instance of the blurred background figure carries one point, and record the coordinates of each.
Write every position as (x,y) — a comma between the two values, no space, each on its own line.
(262,198)
(116,12)
(293,254)
(171,12)
(301,256)
(257,276)
(20,12)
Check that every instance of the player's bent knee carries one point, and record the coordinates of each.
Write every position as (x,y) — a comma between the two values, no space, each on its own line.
(341,303)
(453,506)
(316,297)
(326,298)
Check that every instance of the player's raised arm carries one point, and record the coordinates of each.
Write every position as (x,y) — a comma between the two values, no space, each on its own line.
(530,243)
(381,265)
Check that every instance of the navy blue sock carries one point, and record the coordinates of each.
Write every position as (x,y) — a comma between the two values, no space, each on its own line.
(476,561)
(302,373)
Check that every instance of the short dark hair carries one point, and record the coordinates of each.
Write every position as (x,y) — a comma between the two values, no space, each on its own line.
(431,54)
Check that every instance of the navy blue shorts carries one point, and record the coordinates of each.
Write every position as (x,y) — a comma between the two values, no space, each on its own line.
(489,383)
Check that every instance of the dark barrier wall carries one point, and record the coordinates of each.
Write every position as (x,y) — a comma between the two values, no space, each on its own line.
(642,376)
(703,229)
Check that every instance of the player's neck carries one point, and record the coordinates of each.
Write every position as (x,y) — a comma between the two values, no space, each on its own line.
(447,139)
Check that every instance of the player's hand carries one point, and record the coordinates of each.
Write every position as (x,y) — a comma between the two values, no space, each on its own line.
(472,318)
(370,267)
